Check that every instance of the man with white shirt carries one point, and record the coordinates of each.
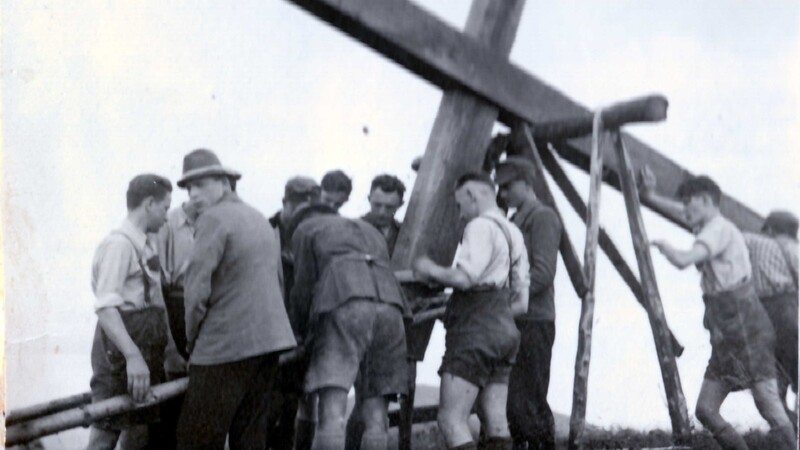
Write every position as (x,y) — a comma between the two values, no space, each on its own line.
(490,278)
(132,333)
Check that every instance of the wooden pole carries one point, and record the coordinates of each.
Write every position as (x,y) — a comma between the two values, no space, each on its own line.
(577,421)
(457,144)
(523,141)
(87,414)
(45,409)
(645,109)
(606,244)
(676,403)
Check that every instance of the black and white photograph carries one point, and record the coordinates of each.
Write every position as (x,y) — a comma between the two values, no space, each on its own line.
(400,224)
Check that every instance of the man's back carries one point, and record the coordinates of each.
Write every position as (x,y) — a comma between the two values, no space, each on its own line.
(234,276)
(344,259)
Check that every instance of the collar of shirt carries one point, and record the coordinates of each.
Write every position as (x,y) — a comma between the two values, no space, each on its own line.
(136,235)
(525,208)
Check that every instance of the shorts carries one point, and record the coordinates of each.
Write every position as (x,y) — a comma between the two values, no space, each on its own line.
(742,339)
(482,339)
(360,343)
(109,375)
(479,359)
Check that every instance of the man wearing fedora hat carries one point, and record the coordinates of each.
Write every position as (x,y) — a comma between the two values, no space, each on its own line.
(236,322)
(773,257)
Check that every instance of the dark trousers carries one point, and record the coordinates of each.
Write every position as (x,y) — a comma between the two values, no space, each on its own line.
(228,399)
(529,416)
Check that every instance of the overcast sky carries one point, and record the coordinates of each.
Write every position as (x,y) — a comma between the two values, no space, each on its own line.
(96,92)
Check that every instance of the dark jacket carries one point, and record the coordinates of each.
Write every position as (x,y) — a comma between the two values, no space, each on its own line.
(234,304)
(391,237)
(541,230)
(336,260)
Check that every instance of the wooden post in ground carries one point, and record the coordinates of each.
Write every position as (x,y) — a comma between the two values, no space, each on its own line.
(606,244)
(676,403)
(457,144)
(577,421)
(523,141)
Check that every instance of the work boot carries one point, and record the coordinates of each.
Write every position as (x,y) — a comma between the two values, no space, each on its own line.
(729,439)
(304,433)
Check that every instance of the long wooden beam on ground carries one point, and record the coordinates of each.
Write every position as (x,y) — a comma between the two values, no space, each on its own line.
(676,403)
(430,48)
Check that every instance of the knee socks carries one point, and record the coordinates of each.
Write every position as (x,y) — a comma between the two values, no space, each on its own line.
(374,441)
(304,433)
(729,439)
(495,443)
(467,446)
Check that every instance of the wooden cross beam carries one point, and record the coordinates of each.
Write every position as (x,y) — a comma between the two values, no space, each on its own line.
(428,47)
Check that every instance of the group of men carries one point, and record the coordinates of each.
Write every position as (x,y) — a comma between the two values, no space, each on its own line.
(274,320)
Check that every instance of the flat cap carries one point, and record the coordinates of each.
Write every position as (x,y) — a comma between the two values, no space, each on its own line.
(782,222)
(514,168)
(300,186)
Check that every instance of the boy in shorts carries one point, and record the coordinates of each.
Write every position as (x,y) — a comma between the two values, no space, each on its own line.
(491,279)
(742,337)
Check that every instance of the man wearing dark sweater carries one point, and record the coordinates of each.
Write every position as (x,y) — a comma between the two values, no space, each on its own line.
(529,416)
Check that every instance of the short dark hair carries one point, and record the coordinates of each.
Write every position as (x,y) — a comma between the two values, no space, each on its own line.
(388,183)
(147,185)
(480,177)
(305,212)
(699,185)
(337,181)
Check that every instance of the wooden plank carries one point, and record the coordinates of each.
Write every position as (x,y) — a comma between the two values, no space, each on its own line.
(89,413)
(676,403)
(457,144)
(580,391)
(606,244)
(428,47)
(44,409)
(523,141)
(640,110)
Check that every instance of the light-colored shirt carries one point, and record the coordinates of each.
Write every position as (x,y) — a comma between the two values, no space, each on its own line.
(484,252)
(771,267)
(175,242)
(117,280)
(728,265)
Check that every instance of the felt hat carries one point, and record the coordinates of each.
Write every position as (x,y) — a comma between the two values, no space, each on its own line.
(202,163)
(300,186)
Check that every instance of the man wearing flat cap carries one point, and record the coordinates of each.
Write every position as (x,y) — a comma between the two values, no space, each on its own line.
(773,257)
(236,322)
(298,192)
(529,416)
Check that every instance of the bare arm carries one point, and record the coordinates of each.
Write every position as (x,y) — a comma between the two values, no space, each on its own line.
(647,190)
(682,258)
(426,269)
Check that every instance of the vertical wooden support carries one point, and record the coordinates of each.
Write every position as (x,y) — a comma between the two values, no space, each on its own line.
(681,426)
(606,244)
(457,144)
(577,421)
(523,140)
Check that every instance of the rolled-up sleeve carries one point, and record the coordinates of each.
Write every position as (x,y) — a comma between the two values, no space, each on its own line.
(475,252)
(111,271)
(209,246)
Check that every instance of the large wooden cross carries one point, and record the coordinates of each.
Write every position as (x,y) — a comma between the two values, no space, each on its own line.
(481,86)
